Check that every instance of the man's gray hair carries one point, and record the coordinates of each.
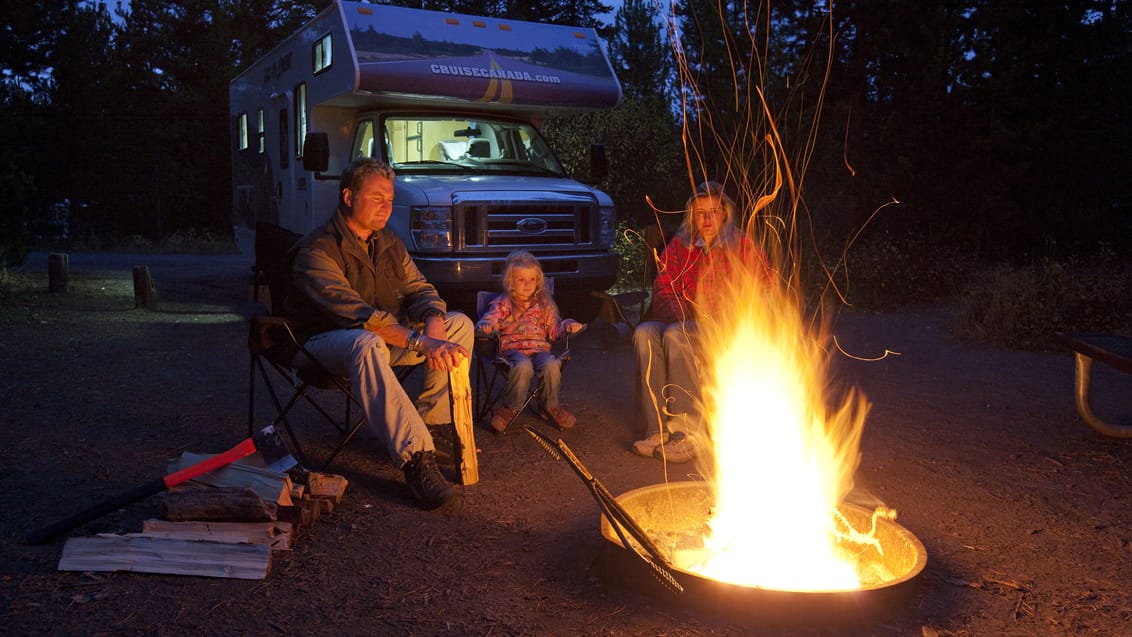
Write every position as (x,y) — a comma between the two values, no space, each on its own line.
(358,171)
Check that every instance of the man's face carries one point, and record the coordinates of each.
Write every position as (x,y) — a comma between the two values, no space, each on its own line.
(370,206)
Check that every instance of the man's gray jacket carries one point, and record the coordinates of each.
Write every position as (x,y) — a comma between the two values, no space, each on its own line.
(336,284)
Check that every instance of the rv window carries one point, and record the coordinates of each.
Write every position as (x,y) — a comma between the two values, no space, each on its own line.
(363,140)
(242,131)
(260,132)
(284,124)
(323,54)
(300,118)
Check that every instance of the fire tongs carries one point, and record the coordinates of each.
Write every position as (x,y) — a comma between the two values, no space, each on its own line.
(618,517)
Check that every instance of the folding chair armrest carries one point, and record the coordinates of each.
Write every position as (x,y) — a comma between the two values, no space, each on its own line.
(486,345)
(272,337)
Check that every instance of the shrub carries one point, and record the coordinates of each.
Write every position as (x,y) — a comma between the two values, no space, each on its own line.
(1022,307)
(883,271)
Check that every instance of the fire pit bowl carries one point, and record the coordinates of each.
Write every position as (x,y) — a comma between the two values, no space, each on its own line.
(681,508)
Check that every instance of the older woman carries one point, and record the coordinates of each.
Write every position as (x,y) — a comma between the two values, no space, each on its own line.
(708,247)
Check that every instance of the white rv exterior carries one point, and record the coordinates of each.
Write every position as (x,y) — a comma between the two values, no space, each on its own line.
(453,103)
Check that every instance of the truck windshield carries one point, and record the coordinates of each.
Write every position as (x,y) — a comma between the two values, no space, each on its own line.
(420,144)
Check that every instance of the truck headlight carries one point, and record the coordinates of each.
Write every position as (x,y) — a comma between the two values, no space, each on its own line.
(607,227)
(431,228)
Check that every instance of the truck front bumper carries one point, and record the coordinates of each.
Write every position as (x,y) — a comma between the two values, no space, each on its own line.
(571,272)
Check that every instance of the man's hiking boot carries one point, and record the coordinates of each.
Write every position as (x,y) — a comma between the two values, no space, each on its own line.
(426,483)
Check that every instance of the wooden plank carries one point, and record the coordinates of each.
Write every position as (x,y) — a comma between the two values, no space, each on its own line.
(460,386)
(276,535)
(272,486)
(161,555)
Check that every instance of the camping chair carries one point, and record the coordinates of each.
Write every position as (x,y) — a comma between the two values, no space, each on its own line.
(273,345)
(492,369)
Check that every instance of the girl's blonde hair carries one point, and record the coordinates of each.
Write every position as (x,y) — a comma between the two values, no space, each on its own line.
(527,261)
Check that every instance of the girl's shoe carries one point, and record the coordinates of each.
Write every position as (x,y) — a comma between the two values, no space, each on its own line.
(559,416)
(503,417)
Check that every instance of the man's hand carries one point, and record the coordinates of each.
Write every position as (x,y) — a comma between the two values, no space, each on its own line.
(440,353)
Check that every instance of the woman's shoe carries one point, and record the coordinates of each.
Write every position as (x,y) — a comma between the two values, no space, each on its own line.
(646,447)
(678,449)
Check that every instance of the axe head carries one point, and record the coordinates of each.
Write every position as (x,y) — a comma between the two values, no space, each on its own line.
(273,451)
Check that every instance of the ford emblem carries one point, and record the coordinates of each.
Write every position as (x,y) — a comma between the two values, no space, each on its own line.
(531,225)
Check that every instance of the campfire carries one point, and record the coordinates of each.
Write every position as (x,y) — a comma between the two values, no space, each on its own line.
(779,450)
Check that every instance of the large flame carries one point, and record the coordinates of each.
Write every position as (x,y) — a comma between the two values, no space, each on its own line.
(783,458)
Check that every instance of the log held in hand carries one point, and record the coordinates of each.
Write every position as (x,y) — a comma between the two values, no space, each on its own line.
(460,387)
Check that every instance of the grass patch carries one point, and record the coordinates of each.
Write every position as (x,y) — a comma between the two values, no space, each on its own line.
(187,241)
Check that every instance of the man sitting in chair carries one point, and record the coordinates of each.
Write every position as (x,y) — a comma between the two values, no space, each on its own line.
(363,307)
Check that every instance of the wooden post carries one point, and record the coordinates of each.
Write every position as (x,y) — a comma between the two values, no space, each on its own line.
(145,294)
(461,387)
(57,271)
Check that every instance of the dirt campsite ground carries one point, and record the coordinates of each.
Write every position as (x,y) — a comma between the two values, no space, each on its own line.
(1024,511)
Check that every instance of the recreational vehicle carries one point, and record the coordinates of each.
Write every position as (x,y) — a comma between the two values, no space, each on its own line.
(454,103)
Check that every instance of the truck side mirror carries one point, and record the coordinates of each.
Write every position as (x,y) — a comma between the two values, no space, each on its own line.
(599,165)
(316,152)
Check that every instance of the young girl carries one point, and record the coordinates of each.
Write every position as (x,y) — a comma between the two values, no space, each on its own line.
(527,320)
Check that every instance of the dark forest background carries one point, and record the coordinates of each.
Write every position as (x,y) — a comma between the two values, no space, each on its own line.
(936,149)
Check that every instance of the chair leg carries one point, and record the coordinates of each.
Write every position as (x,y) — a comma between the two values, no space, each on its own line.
(526,403)
(345,440)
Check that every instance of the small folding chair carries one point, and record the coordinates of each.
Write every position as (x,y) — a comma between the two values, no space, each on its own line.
(492,369)
(620,313)
(273,345)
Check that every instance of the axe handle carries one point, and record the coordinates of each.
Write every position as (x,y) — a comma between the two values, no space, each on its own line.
(245,448)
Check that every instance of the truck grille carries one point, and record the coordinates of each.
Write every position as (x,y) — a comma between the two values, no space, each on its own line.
(487,227)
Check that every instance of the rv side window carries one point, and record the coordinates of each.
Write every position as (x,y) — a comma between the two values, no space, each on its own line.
(300,118)
(323,54)
(363,140)
(242,131)
(284,124)
(259,131)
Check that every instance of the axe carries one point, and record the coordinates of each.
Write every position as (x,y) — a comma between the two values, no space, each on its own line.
(266,441)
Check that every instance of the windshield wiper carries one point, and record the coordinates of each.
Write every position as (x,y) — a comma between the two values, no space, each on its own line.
(432,162)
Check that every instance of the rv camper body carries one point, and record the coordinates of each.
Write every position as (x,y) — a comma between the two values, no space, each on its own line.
(454,104)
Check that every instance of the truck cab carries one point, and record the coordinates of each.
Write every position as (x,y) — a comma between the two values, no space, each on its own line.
(454,104)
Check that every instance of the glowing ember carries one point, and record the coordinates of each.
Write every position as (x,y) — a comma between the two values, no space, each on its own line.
(783,459)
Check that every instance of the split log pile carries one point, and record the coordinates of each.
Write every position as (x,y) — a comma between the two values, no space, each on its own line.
(225,523)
